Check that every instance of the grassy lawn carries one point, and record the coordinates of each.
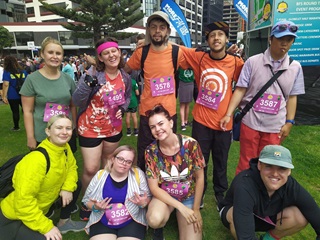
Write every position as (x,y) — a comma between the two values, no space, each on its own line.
(303,143)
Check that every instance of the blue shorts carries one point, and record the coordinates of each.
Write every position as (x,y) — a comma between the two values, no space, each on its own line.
(189,202)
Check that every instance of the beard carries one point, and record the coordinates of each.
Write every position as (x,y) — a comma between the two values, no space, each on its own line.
(159,42)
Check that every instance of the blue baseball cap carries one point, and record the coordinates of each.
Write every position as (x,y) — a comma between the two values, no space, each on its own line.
(284,28)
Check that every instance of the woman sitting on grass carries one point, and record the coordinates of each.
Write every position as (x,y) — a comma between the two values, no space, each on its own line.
(175,175)
(22,213)
(118,196)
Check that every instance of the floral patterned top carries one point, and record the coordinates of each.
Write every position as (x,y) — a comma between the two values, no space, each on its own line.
(175,173)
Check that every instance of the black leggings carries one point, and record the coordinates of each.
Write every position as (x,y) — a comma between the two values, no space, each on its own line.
(16,230)
(14,105)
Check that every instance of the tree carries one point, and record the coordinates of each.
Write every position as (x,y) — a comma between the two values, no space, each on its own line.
(97,18)
(6,39)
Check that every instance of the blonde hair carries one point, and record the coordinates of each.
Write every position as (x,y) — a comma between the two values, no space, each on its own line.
(55,118)
(49,40)
(120,149)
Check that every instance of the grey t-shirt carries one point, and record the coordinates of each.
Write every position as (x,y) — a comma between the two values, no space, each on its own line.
(46,90)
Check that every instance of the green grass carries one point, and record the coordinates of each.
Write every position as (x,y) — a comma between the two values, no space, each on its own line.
(303,143)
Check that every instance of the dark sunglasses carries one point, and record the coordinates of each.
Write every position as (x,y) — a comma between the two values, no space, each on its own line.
(284,27)
(155,110)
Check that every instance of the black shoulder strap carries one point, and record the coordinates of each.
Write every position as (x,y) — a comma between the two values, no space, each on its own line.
(175,52)
(145,50)
(45,153)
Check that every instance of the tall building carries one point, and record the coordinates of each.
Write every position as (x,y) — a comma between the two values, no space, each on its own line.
(12,11)
(212,11)
(232,17)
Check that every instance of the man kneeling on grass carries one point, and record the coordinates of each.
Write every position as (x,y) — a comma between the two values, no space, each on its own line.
(266,198)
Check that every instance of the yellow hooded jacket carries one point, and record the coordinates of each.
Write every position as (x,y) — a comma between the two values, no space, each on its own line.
(35,191)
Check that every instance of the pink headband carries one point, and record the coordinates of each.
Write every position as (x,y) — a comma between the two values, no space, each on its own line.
(106,45)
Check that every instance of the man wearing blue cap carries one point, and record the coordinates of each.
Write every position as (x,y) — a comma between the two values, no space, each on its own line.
(265,198)
(270,119)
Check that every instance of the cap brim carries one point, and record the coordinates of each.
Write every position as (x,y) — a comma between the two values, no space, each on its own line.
(276,163)
(282,34)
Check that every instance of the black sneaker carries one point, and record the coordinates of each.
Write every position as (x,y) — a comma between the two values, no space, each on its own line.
(136,132)
(158,234)
(15,129)
(84,213)
(183,128)
(128,132)
(219,199)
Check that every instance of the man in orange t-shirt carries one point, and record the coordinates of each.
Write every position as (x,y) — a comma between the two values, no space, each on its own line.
(159,83)
(214,72)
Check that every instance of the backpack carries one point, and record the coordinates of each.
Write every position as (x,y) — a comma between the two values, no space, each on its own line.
(7,170)
(175,51)
(19,82)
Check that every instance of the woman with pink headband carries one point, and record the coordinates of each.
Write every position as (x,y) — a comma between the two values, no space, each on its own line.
(102,95)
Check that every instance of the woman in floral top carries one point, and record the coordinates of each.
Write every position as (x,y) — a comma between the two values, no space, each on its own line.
(175,175)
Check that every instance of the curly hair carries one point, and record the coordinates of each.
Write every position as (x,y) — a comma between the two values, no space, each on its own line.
(100,65)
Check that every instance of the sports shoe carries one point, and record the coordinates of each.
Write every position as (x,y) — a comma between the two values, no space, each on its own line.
(219,199)
(15,129)
(74,226)
(128,132)
(84,213)
(158,234)
(136,132)
(183,128)
(76,209)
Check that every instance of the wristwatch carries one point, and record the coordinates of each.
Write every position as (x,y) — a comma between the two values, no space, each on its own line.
(290,121)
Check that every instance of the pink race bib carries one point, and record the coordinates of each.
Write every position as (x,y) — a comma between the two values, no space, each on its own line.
(114,97)
(209,99)
(268,103)
(176,189)
(117,214)
(162,86)
(52,109)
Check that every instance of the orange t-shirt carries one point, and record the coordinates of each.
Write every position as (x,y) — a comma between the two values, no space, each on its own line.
(157,64)
(215,75)
(96,121)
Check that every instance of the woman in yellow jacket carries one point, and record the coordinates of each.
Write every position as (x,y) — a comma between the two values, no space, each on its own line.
(22,213)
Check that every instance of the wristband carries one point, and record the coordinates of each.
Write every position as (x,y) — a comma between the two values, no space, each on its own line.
(94,209)
(227,115)
(290,121)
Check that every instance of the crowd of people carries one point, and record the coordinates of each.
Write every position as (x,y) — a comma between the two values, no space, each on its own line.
(126,190)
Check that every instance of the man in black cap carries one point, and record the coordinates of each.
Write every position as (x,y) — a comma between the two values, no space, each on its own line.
(266,198)
(214,71)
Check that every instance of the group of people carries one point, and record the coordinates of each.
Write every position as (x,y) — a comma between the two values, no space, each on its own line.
(125,191)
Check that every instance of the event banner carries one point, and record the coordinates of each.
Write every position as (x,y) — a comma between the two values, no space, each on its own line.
(242,8)
(306,15)
(260,14)
(178,20)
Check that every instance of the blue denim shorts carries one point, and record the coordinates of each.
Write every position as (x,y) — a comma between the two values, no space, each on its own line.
(189,202)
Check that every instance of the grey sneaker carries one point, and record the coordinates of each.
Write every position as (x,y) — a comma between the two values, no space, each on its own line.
(74,226)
